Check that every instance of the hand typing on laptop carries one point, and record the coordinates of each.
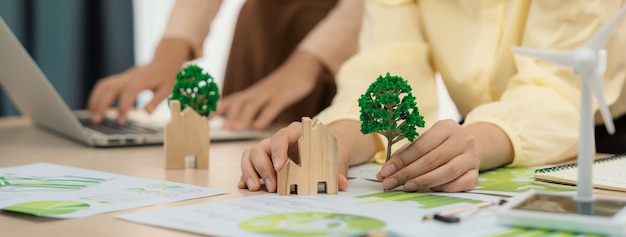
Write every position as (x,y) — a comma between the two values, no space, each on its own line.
(266,82)
(157,76)
(256,107)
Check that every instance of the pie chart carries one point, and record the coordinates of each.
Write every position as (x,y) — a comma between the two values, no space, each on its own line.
(45,208)
(312,224)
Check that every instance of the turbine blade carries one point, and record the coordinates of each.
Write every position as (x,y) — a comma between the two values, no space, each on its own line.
(598,40)
(565,58)
(596,86)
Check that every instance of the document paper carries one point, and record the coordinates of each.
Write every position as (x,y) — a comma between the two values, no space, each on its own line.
(50,190)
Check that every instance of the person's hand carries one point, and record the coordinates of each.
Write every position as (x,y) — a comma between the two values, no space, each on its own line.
(262,161)
(159,76)
(126,86)
(259,105)
(444,158)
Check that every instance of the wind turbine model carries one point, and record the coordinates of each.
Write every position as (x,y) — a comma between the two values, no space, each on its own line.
(589,63)
(557,210)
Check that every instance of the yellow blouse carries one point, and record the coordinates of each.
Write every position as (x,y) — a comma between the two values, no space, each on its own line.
(469,43)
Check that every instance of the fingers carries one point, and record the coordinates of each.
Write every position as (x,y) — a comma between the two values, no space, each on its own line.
(446,176)
(435,137)
(158,96)
(222,106)
(343,164)
(249,178)
(395,172)
(465,182)
(442,178)
(109,89)
(102,97)
(420,149)
(255,166)
(267,115)
(127,100)
(245,109)
(442,155)
(229,108)
(284,140)
(263,166)
(258,106)
(263,160)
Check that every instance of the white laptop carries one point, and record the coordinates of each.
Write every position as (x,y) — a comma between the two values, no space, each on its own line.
(35,97)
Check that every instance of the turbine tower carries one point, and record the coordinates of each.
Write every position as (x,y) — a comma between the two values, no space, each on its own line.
(589,63)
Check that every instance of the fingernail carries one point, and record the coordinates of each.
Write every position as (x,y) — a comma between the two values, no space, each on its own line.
(268,184)
(250,183)
(390,183)
(387,170)
(276,162)
(410,186)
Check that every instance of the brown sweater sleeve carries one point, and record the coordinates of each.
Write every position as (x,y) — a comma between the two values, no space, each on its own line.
(190,20)
(335,39)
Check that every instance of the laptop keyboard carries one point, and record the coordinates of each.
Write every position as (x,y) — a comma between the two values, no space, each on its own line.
(110,126)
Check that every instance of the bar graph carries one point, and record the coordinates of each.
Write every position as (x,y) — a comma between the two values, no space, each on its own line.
(17,182)
(425,200)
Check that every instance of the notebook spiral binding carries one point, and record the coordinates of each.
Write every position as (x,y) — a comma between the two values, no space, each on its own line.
(574,165)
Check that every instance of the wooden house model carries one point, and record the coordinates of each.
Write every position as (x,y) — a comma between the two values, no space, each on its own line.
(316,164)
(187,134)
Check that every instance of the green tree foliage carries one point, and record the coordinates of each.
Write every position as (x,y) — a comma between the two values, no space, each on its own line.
(388,107)
(196,90)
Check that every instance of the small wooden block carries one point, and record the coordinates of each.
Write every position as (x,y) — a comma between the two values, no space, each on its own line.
(317,163)
(187,134)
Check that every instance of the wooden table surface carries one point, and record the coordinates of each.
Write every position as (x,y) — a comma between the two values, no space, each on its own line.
(22,143)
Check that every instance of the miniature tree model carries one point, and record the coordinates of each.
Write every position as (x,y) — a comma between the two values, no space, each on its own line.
(187,133)
(196,90)
(389,108)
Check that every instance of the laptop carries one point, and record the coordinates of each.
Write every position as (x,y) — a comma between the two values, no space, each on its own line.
(35,97)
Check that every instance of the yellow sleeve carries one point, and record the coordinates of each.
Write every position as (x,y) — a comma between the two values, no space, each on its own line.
(539,109)
(390,41)
(190,20)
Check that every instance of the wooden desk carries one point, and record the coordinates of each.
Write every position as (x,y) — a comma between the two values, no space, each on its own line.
(21,143)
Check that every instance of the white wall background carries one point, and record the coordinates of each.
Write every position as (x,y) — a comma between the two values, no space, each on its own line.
(150,20)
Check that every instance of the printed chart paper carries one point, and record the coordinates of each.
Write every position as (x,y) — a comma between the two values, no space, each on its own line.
(511,182)
(362,209)
(50,190)
(503,181)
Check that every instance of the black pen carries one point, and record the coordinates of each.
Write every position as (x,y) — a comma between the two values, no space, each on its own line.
(449,216)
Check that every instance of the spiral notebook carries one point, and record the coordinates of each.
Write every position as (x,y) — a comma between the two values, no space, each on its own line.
(608,173)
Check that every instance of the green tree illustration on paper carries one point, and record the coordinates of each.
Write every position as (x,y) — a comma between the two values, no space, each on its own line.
(196,89)
(388,107)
